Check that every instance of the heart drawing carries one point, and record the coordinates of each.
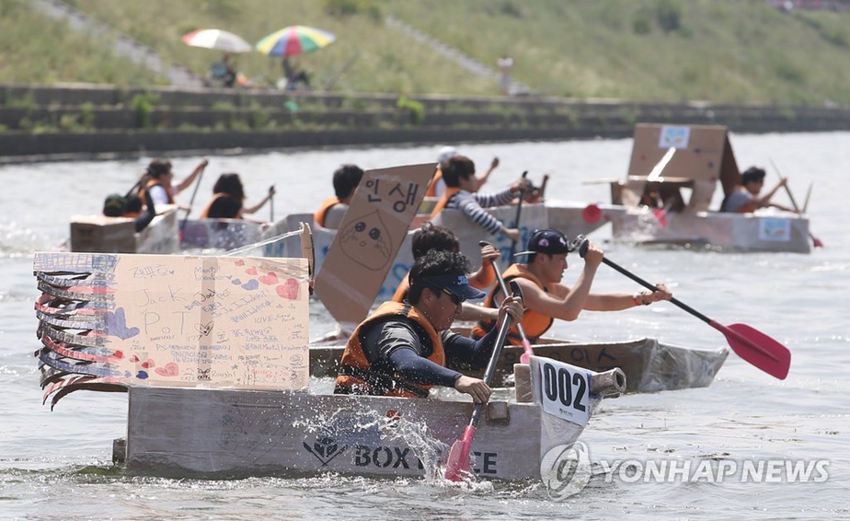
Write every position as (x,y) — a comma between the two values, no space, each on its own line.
(289,289)
(171,369)
(116,325)
(269,279)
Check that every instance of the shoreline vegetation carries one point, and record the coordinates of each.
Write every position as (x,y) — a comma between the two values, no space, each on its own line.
(594,69)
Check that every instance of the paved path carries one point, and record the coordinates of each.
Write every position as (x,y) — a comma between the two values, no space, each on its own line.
(123,45)
(472,65)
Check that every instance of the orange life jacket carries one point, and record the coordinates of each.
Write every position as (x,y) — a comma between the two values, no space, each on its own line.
(432,188)
(533,322)
(401,291)
(355,372)
(444,200)
(155,182)
(322,212)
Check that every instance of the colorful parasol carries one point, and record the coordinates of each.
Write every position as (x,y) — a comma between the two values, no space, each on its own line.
(296,39)
(218,40)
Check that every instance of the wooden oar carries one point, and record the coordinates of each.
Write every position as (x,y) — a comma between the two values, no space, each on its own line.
(516,224)
(527,352)
(457,464)
(817,243)
(749,343)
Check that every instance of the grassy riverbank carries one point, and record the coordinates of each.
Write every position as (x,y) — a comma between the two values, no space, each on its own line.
(642,50)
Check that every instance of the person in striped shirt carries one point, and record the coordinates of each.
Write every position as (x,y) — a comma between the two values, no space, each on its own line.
(461,194)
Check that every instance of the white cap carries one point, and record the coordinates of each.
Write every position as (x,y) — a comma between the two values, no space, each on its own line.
(446,153)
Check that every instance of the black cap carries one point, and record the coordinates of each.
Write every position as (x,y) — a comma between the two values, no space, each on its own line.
(457,285)
(547,241)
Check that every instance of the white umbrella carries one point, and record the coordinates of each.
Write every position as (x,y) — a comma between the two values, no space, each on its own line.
(218,40)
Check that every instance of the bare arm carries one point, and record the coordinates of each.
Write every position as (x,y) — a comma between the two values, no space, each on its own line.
(253,209)
(182,185)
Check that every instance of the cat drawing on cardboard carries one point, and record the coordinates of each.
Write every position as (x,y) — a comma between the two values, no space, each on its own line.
(367,242)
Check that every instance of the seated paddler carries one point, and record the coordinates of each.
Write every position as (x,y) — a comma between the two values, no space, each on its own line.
(403,348)
(546,298)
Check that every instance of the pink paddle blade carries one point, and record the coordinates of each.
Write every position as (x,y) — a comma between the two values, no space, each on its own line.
(457,464)
(527,352)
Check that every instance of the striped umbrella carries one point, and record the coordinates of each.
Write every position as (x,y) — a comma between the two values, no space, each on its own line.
(296,39)
(218,40)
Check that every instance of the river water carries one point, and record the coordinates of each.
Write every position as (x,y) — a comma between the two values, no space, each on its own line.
(57,465)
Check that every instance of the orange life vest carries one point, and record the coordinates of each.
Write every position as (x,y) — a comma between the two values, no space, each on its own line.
(322,212)
(432,188)
(155,182)
(444,200)
(533,322)
(355,372)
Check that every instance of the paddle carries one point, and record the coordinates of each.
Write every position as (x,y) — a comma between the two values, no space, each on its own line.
(527,352)
(457,463)
(750,344)
(271,204)
(542,192)
(817,243)
(516,223)
(808,194)
(191,201)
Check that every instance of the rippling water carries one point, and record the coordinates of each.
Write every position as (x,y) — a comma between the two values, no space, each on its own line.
(57,464)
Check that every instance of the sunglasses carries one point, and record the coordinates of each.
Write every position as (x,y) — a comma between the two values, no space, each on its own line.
(457,301)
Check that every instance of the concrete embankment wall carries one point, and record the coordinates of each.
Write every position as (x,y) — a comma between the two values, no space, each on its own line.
(79,121)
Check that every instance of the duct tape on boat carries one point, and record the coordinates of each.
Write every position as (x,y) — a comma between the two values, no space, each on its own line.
(562,390)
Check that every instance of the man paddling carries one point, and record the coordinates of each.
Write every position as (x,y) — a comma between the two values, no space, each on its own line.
(546,298)
(402,349)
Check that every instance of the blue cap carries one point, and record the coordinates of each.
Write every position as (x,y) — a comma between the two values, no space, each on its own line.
(457,285)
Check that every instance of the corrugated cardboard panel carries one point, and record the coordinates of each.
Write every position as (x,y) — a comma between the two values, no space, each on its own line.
(369,238)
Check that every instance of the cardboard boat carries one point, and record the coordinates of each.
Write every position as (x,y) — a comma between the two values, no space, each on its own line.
(674,160)
(219,234)
(101,234)
(649,365)
(226,433)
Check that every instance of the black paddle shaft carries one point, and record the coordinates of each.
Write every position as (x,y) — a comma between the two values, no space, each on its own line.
(497,352)
(583,249)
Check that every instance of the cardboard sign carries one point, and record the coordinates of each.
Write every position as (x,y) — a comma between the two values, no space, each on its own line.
(368,240)
(703,155)
(163,320)
(562,390)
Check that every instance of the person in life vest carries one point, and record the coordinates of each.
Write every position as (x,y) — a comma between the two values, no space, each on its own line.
(460,194)
(744,198)
(546,298)
(403,349)
(438,185)
(228,199)
(160,181)
(430,237)
(346,179)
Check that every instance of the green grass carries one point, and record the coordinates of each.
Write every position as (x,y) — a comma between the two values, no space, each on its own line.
(733,51)
(38,50)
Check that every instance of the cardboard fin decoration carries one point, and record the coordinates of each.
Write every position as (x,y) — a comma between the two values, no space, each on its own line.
(369,238)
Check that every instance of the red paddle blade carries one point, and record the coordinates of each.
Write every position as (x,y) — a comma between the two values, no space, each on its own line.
(457,465)
(817,243)
(757,348)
